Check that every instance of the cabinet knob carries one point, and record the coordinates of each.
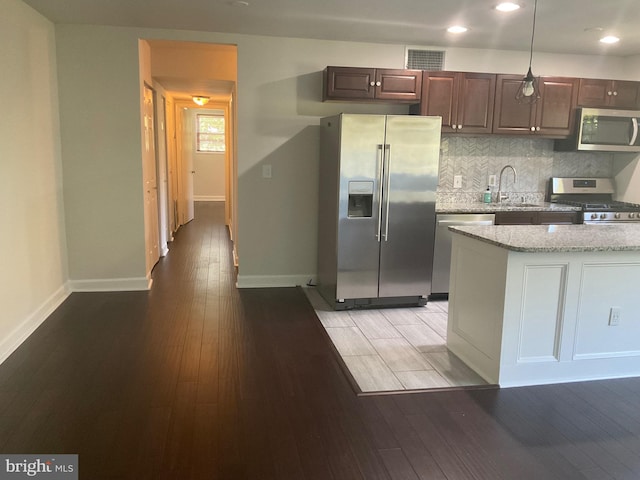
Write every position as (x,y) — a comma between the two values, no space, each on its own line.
(537,129)
(615,93)
(459,127)
(533,129)
(454,126)
(372,84)
(609,93)
(378,84)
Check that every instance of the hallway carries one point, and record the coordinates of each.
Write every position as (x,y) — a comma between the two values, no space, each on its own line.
(198,380)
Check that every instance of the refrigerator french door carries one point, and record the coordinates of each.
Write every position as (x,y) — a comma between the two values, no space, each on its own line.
(378,179)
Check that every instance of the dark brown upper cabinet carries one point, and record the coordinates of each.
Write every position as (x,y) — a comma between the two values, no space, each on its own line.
(463,100)
(370,84)
(551,116)
(608,93)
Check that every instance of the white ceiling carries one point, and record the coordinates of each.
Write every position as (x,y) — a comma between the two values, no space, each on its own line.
(563,26)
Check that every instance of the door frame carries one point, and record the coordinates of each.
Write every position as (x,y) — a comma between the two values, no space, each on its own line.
(226,104)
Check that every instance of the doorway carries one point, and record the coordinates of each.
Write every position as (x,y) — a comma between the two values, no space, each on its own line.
(179,71)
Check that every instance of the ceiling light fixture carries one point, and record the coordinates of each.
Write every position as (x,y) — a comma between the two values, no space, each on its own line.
(507,7)
(529,91)
(200,100)
(610,39)
(457,29)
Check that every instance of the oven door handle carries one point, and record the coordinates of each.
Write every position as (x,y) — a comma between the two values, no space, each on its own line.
(634,135)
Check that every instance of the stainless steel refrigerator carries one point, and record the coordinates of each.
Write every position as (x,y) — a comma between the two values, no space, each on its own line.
(378,178)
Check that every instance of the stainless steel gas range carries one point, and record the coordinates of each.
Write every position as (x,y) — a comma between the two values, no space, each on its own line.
(595,197)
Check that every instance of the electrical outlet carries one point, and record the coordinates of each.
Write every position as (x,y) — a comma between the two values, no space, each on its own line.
(457,181)
(614,316)
(492,181)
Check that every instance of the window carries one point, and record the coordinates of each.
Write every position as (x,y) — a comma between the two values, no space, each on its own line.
(210,133)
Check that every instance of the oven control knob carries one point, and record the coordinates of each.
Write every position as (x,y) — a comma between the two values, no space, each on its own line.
(594,216)
(603,216)
(617,215)
(632,215)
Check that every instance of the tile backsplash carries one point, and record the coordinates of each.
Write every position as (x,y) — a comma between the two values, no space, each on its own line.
(475,158)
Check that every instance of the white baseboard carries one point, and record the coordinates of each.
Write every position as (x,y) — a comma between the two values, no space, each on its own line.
(111,285)
(208,198)
(267,281)
(33,321)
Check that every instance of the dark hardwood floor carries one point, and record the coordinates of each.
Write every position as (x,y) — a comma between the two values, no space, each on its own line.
(198,380)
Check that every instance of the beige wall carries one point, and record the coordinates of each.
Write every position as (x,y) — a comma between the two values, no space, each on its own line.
(32,244)
(194,60)
(500,61)
(102,165)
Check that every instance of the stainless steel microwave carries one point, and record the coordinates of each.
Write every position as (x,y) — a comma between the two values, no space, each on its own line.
(604,130)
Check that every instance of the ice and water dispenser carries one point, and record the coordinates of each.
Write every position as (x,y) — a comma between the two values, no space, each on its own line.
(360,199)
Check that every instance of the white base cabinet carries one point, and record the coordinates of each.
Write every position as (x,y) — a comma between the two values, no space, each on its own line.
(520,318)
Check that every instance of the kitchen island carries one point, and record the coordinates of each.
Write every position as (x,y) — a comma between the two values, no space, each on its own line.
(546,303)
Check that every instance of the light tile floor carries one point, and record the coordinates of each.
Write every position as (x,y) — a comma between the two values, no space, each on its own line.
(395,349)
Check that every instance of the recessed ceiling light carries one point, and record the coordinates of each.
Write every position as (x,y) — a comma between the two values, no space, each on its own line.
(457,29)
(239,3)
(610,39)
(507,6)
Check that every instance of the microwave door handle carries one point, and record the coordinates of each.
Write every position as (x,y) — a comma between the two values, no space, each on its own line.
(634,135)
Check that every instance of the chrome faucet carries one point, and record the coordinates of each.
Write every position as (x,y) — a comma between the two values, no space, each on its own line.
(503,196)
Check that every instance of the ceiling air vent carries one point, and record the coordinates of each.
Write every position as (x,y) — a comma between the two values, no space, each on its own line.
(419,59)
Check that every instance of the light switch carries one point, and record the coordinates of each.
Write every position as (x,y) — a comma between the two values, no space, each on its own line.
(266,171)
(457,181)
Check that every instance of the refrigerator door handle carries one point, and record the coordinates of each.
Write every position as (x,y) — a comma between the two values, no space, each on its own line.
(380,172)
(634,135)
(387,173)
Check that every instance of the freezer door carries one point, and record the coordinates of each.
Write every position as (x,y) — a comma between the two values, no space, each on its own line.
(361,148)
(408,205)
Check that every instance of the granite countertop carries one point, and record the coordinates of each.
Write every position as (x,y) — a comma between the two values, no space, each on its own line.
(479,207)
(557,238)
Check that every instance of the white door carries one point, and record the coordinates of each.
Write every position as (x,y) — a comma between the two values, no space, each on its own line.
(188,171)
(149,175)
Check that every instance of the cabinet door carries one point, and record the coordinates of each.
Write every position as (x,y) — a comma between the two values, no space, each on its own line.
(593,92)
(476,96)
(439,97)
(398,85)
(554,109)
(347,83)
(608,93)
(558,218)
(625,94)
(511,117)
(516,218)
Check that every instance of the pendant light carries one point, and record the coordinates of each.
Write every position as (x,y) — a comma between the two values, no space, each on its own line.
(529,91)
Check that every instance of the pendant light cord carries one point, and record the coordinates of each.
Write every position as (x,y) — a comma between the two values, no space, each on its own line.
(533,31)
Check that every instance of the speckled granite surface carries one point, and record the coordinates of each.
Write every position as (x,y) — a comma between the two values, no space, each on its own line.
(478,207)
(557,238)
